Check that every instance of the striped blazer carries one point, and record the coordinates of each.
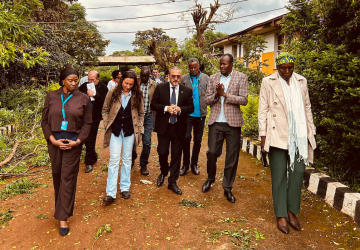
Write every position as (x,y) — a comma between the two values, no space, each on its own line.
(237,94)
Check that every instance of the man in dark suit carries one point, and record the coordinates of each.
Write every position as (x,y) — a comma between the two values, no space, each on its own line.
(97,98)
(173,103)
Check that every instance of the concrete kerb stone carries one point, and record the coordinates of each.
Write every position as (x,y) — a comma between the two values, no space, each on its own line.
(336,194)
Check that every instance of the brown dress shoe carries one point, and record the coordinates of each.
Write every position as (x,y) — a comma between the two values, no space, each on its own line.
(293,221)
(282,225)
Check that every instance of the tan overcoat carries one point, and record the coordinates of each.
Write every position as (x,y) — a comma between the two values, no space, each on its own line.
(272,115)
(110,111)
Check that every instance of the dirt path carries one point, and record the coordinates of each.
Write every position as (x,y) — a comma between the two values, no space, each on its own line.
(153,219)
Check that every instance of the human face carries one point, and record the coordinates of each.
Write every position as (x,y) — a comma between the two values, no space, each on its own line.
(70,83)
(144,76)
(117,79)
(194,68)
(286,70)
(92,77)
(127,85)
(175,77)
(156,73)
(225,65)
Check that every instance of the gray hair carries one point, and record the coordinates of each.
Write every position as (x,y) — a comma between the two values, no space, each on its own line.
(193,59)
(174,68)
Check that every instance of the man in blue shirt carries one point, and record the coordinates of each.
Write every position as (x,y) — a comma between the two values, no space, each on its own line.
(197,81)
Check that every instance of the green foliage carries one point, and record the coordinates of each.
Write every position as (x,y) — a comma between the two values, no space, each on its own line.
(250,115)
(16,34)
(5,217)
(135,52)
(22,186)
(243,237)
(103,230)
(188,203)
(41,216)
(325,40)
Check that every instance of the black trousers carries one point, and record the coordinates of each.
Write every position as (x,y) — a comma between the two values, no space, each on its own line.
(170,138)
(217,133)
(195,124)
(91,156)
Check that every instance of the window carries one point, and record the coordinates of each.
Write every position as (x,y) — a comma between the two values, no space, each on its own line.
(234,51)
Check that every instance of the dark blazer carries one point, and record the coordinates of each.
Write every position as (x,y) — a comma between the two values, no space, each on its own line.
(77,111)
(161,98)
(101,93)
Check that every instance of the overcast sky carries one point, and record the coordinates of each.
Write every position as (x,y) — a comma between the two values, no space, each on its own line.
(123,41)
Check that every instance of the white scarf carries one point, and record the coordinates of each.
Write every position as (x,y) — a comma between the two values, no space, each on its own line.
(297,140)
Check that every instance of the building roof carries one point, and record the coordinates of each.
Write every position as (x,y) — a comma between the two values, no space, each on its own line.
(124,60)
(260,28)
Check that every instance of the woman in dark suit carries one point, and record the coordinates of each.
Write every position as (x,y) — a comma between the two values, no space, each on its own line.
(66,121)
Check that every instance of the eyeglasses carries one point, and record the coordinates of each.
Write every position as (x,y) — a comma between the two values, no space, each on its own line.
(92,80)
(176,76)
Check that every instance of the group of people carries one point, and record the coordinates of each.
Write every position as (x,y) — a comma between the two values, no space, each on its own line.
(131,107)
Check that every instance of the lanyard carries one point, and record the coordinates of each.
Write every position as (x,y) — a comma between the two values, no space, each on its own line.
(63,105)
(192,84)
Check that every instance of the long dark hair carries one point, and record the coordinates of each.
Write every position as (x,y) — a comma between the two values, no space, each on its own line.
(136,94)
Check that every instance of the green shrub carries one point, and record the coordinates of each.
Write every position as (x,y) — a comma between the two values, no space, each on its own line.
(250,115)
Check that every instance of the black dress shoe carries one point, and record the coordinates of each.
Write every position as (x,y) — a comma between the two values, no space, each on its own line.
(172,186)
(144,170)
(283,229)
(207,185)
(64,231)
(108,199)
(195,170)
(229,196)
(183,170)
(160,180)
(88,168)
(125,194)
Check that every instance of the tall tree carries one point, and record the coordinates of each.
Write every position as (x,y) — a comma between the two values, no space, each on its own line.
(204,20)
(156,43)
(17,33)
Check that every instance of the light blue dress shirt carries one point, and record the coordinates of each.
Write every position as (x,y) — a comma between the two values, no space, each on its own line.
(224,80)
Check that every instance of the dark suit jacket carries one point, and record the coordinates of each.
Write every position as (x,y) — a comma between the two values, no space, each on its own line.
(101,93)
(161,98)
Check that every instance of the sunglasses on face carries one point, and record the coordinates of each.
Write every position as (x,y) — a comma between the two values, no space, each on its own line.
(176,76)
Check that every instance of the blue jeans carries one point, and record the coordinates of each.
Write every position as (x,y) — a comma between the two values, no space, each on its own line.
(146,140)
(116,143)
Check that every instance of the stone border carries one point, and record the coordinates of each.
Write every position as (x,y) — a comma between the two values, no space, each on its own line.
(336,194)
(7,130)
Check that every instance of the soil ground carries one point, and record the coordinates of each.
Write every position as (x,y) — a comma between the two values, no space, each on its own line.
(153,219)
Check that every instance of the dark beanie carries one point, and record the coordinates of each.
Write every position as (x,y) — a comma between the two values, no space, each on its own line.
(67,72)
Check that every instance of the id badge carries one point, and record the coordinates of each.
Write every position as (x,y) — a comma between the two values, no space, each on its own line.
(64,125)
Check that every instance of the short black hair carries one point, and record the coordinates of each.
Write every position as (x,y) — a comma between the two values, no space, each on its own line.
(230,57)
(115,73)
(155,69)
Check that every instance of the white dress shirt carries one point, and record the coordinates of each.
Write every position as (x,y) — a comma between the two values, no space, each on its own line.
(226,81)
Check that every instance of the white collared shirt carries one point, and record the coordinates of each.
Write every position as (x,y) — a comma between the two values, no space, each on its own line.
(111,84)
(226,81)
(176,94)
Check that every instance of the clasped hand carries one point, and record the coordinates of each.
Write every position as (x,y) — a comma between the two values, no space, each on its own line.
(64,144)
(90,93)
(220,89)
(173,109)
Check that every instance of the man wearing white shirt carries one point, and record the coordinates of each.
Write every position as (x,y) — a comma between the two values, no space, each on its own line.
(173,103)
(116,75)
